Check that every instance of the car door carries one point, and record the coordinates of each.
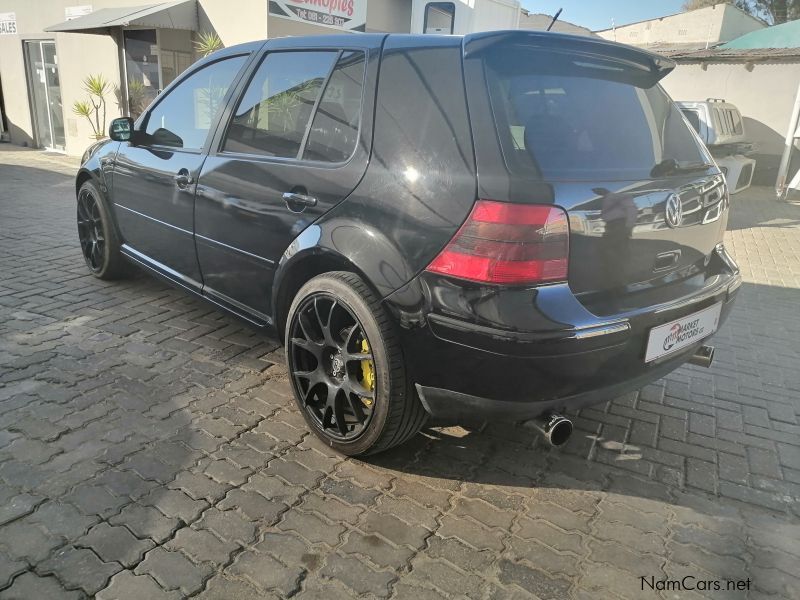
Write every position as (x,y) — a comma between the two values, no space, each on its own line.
(154,177)
(296,143)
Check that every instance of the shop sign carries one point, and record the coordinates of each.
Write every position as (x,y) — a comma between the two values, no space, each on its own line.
(348,15)
(8,23)
(73,12)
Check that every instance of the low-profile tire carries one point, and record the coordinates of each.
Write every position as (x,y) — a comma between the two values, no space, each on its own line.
(98,235)
(334,322)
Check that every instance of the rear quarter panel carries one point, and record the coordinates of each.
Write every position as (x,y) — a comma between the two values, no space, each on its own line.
(420,184)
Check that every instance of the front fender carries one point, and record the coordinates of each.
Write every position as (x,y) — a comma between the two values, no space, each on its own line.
(97,165)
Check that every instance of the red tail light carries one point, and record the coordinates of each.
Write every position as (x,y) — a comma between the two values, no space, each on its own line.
(508,244)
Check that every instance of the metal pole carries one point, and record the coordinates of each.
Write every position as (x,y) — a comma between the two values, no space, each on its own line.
(791,135)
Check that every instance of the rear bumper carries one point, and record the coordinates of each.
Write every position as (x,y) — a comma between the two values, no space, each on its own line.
(559,356)
(457,406)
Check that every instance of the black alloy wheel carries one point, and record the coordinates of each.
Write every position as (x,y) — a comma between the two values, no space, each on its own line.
(91,232)
(332,366)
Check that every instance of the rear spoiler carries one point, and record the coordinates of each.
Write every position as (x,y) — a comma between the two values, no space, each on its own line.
(648,66)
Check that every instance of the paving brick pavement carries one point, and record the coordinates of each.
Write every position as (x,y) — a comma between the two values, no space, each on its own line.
(149,448)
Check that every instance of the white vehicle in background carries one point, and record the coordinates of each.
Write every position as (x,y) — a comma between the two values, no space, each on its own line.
(721,127)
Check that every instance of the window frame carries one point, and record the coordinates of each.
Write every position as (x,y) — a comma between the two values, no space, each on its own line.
(140,126)
(218,146)
(451,5)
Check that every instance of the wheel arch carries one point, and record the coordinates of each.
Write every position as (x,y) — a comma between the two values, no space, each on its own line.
(299,271)
(82,177)
(338,244)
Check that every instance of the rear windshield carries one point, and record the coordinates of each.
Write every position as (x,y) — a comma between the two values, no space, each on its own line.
(564,117)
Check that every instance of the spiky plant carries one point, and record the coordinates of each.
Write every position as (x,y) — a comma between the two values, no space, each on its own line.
(94,108)
(207,42)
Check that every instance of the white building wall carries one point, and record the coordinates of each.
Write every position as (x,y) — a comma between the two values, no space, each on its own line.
(721,22)
(764,93)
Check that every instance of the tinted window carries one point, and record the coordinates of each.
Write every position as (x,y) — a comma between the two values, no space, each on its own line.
(719,123)
(693,117)
(273,114)
(567,118)
(183,118)
(334,131)
(735,121)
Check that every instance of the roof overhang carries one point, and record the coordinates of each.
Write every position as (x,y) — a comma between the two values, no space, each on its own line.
(178,14)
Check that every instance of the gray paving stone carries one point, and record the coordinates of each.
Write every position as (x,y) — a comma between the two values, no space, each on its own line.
(9,567)
(23,539)
(313,528)
(225,588)
(253,506)
(228,525)
(532,580)
(377,550)
(96,500)
(201,546)
(79,568)
(28,586)
(115,544)
(265,572)
(17,507)
(127,586)
(175,504)
(146,522)
(173,571)
(447,579)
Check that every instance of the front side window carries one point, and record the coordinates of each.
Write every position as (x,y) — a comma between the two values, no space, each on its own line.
(184,117)
(273,114)
(334,131)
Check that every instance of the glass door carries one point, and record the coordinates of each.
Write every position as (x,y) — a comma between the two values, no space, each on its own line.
(142,69)
(45,90)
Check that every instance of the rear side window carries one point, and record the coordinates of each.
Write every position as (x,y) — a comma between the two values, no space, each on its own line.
(272,117)
(564,117)
(334,131)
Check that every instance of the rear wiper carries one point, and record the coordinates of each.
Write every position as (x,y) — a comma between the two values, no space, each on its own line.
(669,166)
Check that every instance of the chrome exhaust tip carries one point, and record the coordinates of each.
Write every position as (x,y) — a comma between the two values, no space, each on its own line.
(703,357)
(555,428)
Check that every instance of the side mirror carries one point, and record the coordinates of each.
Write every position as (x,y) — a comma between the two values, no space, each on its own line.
(121,130)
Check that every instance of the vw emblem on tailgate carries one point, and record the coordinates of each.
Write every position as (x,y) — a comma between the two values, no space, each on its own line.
(674,211)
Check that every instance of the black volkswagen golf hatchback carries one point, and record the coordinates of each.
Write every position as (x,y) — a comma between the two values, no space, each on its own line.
(500,226)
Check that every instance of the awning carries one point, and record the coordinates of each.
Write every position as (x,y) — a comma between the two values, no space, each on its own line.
(179,14)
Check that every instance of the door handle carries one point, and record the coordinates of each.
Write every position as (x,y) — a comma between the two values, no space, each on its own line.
(183,179)
(293,198)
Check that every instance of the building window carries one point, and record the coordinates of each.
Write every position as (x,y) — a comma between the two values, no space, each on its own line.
(439,17)
(153,59)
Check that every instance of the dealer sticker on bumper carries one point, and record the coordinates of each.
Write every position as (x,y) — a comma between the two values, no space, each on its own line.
(671,337)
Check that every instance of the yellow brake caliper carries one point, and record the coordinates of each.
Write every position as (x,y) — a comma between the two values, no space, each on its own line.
(367,373)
